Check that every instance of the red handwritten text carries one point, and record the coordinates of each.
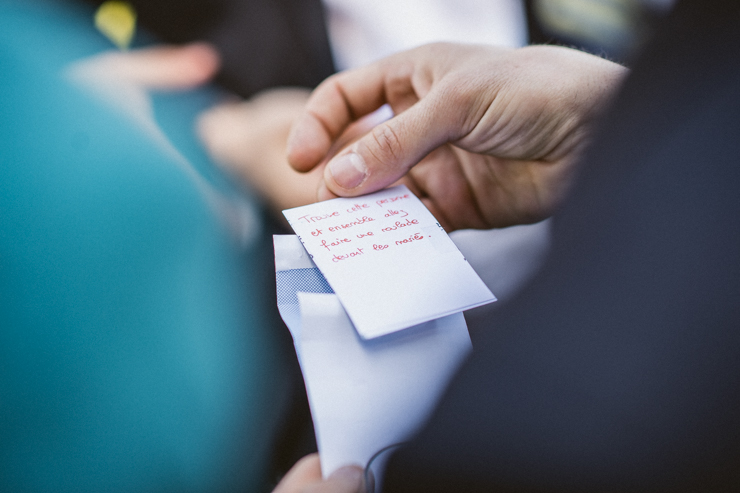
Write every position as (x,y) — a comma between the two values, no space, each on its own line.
(316,233)
(337,242)
(380,247)
(355,253)
(321,217)
(414,237)
(391,213)
(390,200)
(401,224)
(362,235)
(358,207)
(356,222)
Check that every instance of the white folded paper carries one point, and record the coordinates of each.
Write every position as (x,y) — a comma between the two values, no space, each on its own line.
(388,260)
(364,394)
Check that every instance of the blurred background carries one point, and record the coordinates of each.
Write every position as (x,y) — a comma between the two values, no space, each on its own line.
(140,344)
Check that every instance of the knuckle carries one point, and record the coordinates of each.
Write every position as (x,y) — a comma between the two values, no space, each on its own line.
(461,93)
(387,142)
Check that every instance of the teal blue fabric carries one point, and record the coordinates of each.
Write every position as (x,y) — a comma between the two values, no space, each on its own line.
(136,352)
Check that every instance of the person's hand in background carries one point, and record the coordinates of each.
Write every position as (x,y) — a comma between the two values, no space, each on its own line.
(305,477)
(157,67)
(125,79)
(495,132)
(249,138)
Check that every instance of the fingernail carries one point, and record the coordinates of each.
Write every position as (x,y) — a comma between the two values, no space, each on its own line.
(348,170)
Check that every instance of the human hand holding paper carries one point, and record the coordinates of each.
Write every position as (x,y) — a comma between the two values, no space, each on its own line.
(487,136)
(395,273)
(306,475)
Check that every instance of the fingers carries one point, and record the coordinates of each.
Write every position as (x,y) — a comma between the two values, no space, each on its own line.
(335,104)
(169,67)
(158,67)
(427,116)
(305,471)
(387,152)
(249,138)
(347,479)
(305,477)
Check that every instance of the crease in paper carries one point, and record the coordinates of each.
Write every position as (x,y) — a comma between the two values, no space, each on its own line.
(364,394)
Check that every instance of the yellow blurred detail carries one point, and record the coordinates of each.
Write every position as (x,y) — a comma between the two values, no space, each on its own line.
(117,21)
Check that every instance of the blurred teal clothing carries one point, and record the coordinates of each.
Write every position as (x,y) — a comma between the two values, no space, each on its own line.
(136,352)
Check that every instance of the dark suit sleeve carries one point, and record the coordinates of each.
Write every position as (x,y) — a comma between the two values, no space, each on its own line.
(618,368)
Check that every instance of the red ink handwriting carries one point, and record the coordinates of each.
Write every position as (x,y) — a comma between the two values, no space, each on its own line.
(362,235)
(414,237)
(391,212)
(390,200)
(356,222)
(338,242)
(321,217)
(401,224)
(355,253)
(358,207)
(316,233)
(380,247)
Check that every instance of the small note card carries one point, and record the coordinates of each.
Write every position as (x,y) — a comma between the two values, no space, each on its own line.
(388,260)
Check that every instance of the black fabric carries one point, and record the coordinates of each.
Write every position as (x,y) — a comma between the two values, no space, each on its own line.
(263,43)
(270,43)
(637,20)
(618,368)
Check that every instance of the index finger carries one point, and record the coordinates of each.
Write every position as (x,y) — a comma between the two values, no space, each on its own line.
(306,471)
(335,103)
(156,67)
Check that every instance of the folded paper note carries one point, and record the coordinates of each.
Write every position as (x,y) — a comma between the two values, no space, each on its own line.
(364,394)
(367,395)
(388,260)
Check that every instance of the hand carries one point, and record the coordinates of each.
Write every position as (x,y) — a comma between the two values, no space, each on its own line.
(487,137)
(249,138)
(305,477)
(124,80)
(156,67)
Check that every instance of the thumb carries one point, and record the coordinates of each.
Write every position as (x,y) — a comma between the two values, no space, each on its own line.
(389,150)
(348,479)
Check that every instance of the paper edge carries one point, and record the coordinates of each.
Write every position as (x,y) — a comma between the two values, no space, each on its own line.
(290,253)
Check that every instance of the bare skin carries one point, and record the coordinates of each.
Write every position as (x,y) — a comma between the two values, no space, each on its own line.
(487,137)
(161,67)
(305,477)
(249,138)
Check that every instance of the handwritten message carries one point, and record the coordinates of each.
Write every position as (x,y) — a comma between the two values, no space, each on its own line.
(354,229)
(388,260)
